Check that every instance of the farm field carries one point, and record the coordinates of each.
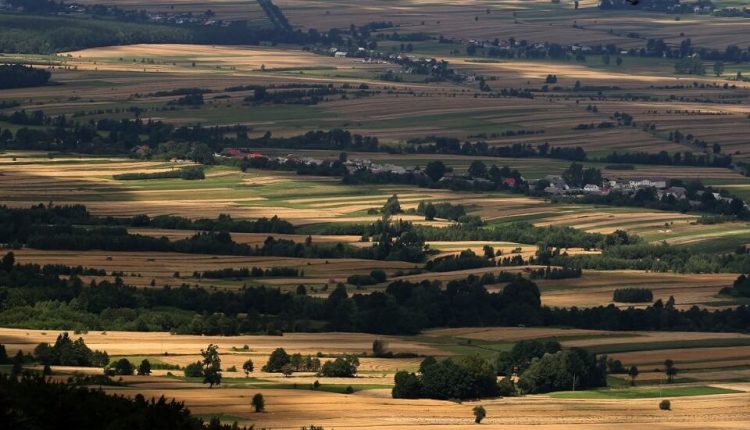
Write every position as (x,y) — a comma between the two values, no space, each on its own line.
(392,180)
(714,405)
(520,19)
(222,9)
(315,200)
(133,72)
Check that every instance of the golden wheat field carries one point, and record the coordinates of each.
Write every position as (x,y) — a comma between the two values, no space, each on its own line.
(372,407)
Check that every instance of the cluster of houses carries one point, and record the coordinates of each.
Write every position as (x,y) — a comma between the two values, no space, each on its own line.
(352,165)
(557,185)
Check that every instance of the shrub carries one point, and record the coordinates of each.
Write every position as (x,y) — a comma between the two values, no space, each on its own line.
(259,404)
(665,405)
(633,295)
(479,414)
(194,370)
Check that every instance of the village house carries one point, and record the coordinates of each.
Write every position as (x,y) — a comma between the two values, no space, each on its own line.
(557,183)
(679,193)
(647,183)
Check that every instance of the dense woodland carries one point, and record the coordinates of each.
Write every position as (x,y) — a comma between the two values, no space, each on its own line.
(35,403)
(20,76)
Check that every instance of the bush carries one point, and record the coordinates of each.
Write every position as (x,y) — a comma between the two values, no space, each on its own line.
(633,295)
(361,280)
(258,402)
(665,405)
(194,370)
(479,414)
(378,275)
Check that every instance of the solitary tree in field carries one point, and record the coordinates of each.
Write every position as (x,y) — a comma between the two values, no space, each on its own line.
(211,365)
(718,68)
(378,348)
(479,414)
(248,367)
(670,370)
(144,368)
(123,366)
(633,372)
(259,404)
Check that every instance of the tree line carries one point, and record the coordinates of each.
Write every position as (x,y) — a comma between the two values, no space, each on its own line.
(20,76)
(51,302)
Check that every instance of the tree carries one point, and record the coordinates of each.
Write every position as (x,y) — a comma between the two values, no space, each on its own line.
(718,68)
(248,367)
(633,372)
(287,370)
(392,205)
(427,362)
(665,405)
(670,370)
(430,212)
(478,169)
(144,368)
(690,65)
(342,367)
(194,370)
(435,170)
(259,404)
(618,61)
(9,260)
(3,355)
(277,360)
(17,368)
(573,175)
(479,413)
(574,368)
(123,366)
(211,365)
(407,386)
(378,348)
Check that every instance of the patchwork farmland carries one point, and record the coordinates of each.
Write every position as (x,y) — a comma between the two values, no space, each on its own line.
(376,214)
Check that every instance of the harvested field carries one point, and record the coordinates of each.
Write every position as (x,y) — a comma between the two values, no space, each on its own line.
(372,399)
